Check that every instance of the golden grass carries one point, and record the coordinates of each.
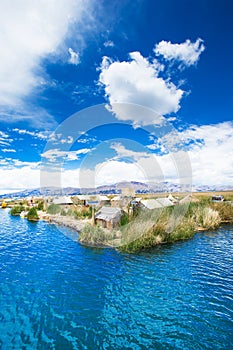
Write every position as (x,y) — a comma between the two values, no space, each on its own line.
(152,227)
(143,233)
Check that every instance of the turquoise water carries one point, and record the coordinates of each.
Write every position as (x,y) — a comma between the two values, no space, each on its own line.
(57,294)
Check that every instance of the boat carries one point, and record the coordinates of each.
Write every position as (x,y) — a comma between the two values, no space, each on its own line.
(217,198)
(4,205)
(23,214)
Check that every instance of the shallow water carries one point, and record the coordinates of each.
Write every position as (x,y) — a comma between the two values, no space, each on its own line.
(57,294)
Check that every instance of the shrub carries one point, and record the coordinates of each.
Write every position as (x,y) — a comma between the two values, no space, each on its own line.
(151,227)
(124,219)
(32,214)
(225,211)
(155,230)
(63,212)
(53,209)
(96,236)
(206,217)
(86,213)
(16,210)
(211,218)
(40,205)
(77,214)
(184,230)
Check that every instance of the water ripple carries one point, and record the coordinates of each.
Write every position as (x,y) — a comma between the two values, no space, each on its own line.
(56,294)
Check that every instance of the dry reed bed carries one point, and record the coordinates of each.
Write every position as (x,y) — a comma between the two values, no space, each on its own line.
(158,226)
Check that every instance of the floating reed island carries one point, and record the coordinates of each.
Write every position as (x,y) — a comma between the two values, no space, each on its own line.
(159,226)
(137,227)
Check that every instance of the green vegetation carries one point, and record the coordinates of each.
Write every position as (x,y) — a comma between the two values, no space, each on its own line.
(80,213)
(32,214)
(17,209)
(84,213)
(149,229)
(225,210)
(152,227)
(63,212)
(69,212)
(96,236)
(124,219)
(143,229)
(40,205)
(203,215)
(53,209)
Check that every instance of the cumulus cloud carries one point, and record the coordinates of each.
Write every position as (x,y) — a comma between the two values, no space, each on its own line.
(18,175)
(16,178)
(188,53)
(115,171)
(138,82)
(211,153)
(74,57)
(149,163)
(209,148)
(32,30)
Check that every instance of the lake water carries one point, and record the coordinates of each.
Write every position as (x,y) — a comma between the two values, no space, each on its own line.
(57,294)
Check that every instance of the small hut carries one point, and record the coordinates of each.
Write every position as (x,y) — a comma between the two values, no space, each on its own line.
(172,199)
(108,217)
(165,202)
(151,204)
(83,199)
(64,201)
(104,200)
(156,203)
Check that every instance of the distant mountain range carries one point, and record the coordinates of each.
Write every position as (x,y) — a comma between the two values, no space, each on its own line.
(139,187)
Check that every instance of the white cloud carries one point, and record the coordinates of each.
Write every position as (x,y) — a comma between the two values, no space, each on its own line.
(144,169)
(18,175)
(148,163)
(30,31)
(3,134)
(123,152)
(53,155)
(209,148)
(36,117)
(11,163)
(74,57)
(56,138)
(188,53)
(19,178)
(109,43)
(137,82)
(114,171)
(8,150)
(5,139)
(211,153)
(35,134)
(86,140)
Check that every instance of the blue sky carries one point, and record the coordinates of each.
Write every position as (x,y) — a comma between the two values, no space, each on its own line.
(170,57)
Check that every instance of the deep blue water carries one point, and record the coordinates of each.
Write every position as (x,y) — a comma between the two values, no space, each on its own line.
(57,294)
